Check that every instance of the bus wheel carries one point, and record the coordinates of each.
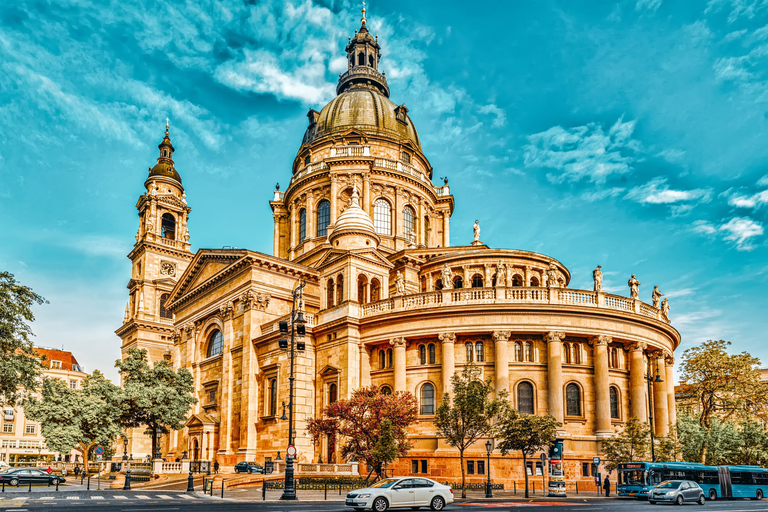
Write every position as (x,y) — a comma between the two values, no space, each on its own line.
(759,494)
(712,495)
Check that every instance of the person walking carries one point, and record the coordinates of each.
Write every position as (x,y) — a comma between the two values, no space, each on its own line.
(216,468)
(607,486)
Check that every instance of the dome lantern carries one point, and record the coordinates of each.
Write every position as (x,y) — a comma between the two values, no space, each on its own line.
(165,166)
(363,54)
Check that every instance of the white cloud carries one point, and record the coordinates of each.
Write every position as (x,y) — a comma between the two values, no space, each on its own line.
(704,227)
(583,152)
(739,230)
(732,68)
(763,182)
(673,156)
(500,117)
(599,195)
(651,5)
(749,201)
(657,192)
(736,34)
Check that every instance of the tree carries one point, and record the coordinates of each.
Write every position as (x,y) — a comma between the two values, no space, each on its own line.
(629,445)
(716,445)
(526,433)
(79,418)
(154,396)
(668,448)
(19,365)
(753,448)
(466,416)
(374,425)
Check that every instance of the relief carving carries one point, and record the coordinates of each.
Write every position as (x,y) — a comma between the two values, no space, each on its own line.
(447,337)
(501,335)
(554,336)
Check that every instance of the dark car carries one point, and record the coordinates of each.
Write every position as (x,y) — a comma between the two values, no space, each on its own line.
(248,467)
(16,476)
(677,492)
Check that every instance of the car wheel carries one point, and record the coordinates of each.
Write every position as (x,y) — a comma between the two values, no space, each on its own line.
(380,504)
(701,500)
(679,500)
(712,495)
(759,494)
(237,471)
(651,502)
(438,503)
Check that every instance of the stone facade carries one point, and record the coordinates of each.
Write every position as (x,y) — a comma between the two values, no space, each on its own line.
(388,301)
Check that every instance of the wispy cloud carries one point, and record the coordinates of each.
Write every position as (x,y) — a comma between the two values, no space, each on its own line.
(657,191)
(500,117)
(651,5)
(739,230)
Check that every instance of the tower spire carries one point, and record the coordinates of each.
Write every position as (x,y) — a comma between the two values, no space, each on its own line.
(363,54)
(362,20)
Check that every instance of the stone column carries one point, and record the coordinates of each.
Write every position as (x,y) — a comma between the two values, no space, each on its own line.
(420,223)
(446,229)
(637,382)
(602,389)
(311,216)
(671,408)
(367,194)
(248,390)
(276,243)
(660,399)
(501,343)
(397,214)
(334,199)
(225,426)
(365,366)
(292,229)
(554,340)
(399,356)
(448,340)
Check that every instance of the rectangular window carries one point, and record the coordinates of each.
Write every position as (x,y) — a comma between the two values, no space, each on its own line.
(7,428)
(212,396)
(414,466)
(470,467)
(29,429)
(585,469)
(529,467)
(73,384)
(9,414)
(539,469)
(424,467)
(481,467)
(56,365)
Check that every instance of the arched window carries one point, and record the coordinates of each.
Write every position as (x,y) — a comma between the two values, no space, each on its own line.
(567,350)
(469,352)
(168,226)
(215,344)
(323,217)
(479,355)
(405,157)
(386,390)
(362,289)
(528,352)
(518,351)
(382,217)
(477,281)
(525,398)
(439,284)
(272,397)
(427,231)
(575,353)
(330,290)
(534,281)
(332,393)
(370,60)
(339,289)
(517,280)
(164,313)
(361,59)
(390,362)
(382,359)
(572,400)
(427,399)
(458,282)
(431,350)
(409,222)
(614,394)
(422,354)
(375,290)
(302,225)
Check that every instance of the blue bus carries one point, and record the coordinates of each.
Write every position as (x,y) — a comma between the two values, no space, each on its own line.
(637,478)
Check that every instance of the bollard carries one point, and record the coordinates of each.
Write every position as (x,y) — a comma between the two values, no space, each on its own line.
(57,485)
(3,485)
(190,483)
(326,489)
(514,484)
(127,485)
(89,483)
(222,488)
(30,485)
(577,487)
(263,490)
(534,487)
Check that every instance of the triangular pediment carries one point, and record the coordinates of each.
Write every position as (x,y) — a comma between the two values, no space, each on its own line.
(200,419)
(371,255)
(352,134)
(206,264)
(329,370)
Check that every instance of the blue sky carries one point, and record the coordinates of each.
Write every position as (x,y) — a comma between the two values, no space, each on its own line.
(629,134)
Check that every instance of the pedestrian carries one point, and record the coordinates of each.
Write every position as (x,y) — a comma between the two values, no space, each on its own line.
(63,471)
(607,486)
(49,470)
(77,470)
(216,468)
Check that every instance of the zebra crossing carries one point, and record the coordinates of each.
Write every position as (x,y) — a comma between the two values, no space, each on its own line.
(15,500)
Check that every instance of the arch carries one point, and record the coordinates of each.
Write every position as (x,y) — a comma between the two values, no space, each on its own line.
(272,397)
(168,226)
(614,399)
(333,393)
(525,397)
(567,352)
(361,59)
(339,289)
(517,280)
(431,351)
(427,230)
(386,390)
(302,224)
(439,285)
(427,399)
(330,290)
(575,353)
(165,313)
(382,359)
(362,289)
(390,359)
(518,351)
(323,217)
(370,60)
(195,449)
(409,221)
(215,344)
(458,282)
(479,352)
(534,281)
(572,399)
(477,281)
(422,354)
(614,359)
(528,352)
(382,217)
(375,290)
(468,346)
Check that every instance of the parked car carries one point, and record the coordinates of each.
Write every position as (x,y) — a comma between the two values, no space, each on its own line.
(248,467)
(16,476)
(401,492)
(677,492)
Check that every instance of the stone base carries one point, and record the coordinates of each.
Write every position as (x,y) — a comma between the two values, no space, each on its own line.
(477,242)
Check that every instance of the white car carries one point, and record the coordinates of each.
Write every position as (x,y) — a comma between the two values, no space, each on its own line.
(401,492)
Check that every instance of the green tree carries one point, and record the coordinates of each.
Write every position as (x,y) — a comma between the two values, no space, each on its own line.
(19,365)
(77,418)
(753,448)
(466,416)
(526,433)
(374,426)
(155,397)
(716,445)
(629,445)
(668,448)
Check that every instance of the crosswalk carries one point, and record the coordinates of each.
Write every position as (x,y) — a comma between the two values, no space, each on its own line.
(16,500)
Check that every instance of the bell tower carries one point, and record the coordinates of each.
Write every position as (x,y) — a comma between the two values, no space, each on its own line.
(363,55)
(159,257)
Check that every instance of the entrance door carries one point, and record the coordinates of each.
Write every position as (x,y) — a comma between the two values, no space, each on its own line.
(331,450)
(195,450)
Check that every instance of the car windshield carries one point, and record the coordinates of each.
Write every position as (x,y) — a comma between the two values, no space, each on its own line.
(386,483)
(669,484)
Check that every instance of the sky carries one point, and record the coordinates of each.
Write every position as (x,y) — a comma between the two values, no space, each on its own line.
(628,134)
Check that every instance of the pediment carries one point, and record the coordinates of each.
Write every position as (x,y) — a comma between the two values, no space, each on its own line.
(352,133)
(409,144)
(329,370)
(371,255)
(206,264)
(200,419)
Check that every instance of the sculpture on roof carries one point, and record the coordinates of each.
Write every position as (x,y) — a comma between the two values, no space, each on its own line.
(656,297)
(552,276)
(665,308)
(597,276)
(476,229)
(501,274)
(634,287)
(447,276)
(399,284)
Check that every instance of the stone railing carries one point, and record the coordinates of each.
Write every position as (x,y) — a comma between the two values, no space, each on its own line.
(445,190)
(399,166)
(513,295)
(309,169)
(333,469)
(309,318)
(350,151)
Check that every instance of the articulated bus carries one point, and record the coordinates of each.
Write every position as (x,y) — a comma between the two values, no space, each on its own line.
(637,478)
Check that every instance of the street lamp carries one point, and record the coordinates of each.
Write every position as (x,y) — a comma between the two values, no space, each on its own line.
(488,449)
(125,447)
(158,433)
(297,327)
(650,379)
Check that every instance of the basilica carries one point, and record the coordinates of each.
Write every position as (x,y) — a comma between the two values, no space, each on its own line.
(388,300)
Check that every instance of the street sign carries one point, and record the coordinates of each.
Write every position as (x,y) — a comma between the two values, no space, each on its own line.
(99,450)
(98,458)
(596,460)
(291,451)
(543,458)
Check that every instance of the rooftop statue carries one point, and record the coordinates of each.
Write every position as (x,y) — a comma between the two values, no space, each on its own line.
(476,229)
(597,275)
(399,284)
(447,275)
(634,287)
(665,308)
(656,296)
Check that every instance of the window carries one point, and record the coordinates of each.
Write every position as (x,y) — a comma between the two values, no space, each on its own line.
(370,60)
(164,313)
(567,350)
(307,160)
(431,351)
(330,290)
(458,282)
(439,284)
(529,468)
(517,280)
(382,217)
(525,398)
(424,468)
(427,399)
(480,467)
(585,469)
(361,59)
(382,359)
(405,157)
(427,231)
(469,352)
(362,289)
(614,394)
(333,394)
(375,290)
(390,361)
(55,365)
(212,396)
(477,281)
(7,428)
(273,397)
(8,413)
(409,222)
(575,353)
(528,352)
(323,217)
(518,351)
(302,225)
(168,226)
(422,354)
(386,390)
(29,429)
(572,400)
(414,466)
(215,344)
(534,281)
(72,384)
(339,289)
(470,467)
(479,356)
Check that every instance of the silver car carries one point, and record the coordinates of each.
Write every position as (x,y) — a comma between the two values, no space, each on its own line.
(408,492)
(677,492)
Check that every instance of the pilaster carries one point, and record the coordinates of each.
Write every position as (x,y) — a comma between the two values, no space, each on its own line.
(501,344)
(554,340)
(225,435)
(448,340)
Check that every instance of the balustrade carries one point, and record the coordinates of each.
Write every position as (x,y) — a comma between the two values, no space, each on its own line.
(422,299)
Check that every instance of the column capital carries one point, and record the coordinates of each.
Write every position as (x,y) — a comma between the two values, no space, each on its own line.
(447,337)
(226,311)
(636,345)
(553,336)
(501,335)
(397,342)
(255,300)
(669,359)
(600,340)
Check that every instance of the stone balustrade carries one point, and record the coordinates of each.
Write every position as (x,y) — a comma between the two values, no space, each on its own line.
(331,469)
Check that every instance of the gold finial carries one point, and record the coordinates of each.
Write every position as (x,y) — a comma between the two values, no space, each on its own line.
(166,125)
(363,18)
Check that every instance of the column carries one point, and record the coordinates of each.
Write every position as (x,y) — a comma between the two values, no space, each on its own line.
(501,344)
(311,217)
(446,229)
(397,215)
(399,356)
(660,399)
(225,426)
(637,382)
(367,194)
(420,223)
(602,389)
(276,243)
(248,390)
(365,366)
(448,340)
(334,200)
(554,340)
(292,228)
(671,408)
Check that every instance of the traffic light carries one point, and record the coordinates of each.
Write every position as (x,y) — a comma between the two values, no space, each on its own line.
(283,326)
(300,330)
(300,345)
(283,343)
(556,450)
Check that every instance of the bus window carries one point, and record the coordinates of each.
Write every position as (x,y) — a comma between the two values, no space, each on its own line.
(635,477)
(761,478)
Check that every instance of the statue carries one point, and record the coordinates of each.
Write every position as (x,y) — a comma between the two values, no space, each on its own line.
(552,276)
(597,275)
(665,308)
(186,235)
(355,199)
(634,287)
(399,284)
(656,297)
(447,275)
(412,239)
(476,228)
(501,274)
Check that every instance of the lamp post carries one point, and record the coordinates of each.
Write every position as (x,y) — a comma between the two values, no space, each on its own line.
(125,447)
(297,319)
(488,449)
(650,379)
(158,433)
